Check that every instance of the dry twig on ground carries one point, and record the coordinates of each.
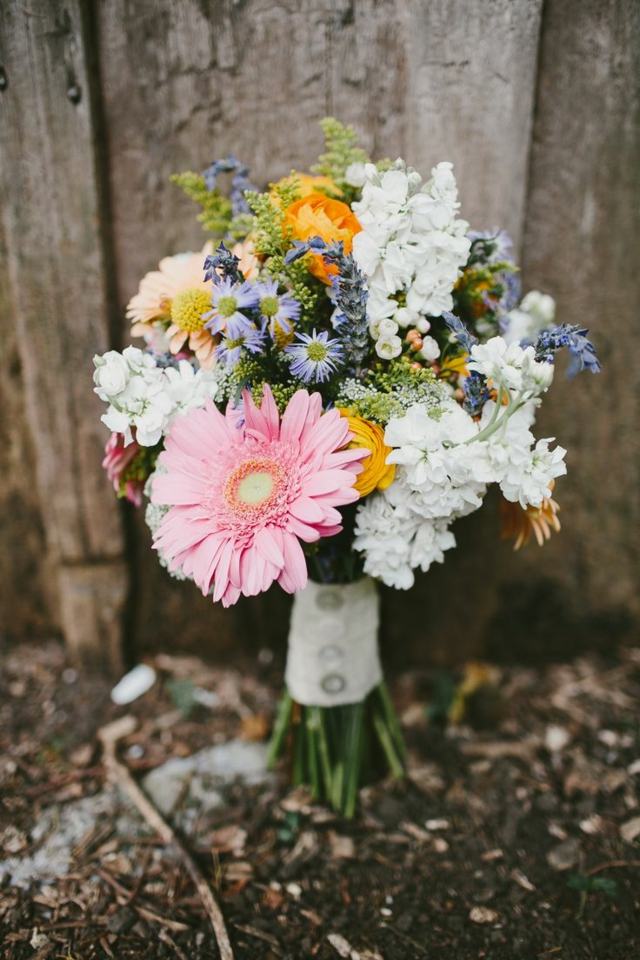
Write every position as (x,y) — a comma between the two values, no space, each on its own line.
(109,736)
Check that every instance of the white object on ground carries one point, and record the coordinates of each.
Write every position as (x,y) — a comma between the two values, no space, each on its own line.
(133,684)
(333,644)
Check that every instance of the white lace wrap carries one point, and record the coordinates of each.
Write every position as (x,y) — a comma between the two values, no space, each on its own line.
(333,644)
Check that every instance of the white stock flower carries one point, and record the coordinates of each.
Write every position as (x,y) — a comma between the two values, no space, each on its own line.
(432,538)
(388,347)
(355,174)
(411,241)
(429,349)
(144,397)
(445,475)
(385,540)
(536,313)
(512,367)
(394,539)
(532,482)
(387,328)
(111,374)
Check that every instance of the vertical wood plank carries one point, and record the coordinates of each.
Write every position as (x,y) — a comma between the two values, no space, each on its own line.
(581,244)
(51,216)
(26,608)
(445,80)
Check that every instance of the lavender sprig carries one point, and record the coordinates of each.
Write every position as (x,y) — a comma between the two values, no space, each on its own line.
(348,293)
(574,338)
(240,182)
(462,334)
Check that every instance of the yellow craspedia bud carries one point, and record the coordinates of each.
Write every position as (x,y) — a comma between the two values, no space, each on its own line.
(188,308)
(376,473)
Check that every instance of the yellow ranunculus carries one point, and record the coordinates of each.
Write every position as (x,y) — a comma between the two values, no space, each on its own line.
(319,216)
(376,473)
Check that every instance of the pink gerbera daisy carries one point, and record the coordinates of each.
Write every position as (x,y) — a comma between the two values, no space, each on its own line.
(242,497)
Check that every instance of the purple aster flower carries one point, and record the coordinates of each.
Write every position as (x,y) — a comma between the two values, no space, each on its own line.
(315,357)
(229,299)
(276,310)
(230,349)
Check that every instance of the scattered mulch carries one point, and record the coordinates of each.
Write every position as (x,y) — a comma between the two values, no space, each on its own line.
(518,835)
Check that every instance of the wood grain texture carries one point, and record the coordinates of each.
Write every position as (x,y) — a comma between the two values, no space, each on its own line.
(51,211)
(581,242)
(26,608)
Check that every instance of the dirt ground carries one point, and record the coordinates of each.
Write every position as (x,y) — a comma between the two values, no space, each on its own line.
(516,836)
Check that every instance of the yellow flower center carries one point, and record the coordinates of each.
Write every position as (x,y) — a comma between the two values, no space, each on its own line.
(255,487)
(188,309)
(269,306)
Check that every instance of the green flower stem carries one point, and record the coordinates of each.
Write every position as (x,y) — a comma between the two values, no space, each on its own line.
(391,718)
(395,764)
(282,725)
(314,772)
(354,752)
(330,746)
(323,748)
(497,421)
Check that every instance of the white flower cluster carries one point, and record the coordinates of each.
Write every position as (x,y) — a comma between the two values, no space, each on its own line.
(411,243)
(446,461)
(511,367)
(145,397)
(536,313)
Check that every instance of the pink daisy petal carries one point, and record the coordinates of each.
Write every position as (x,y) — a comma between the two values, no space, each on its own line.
(307,510)
(245,488)
(269,547)
(295,417)
(296,565)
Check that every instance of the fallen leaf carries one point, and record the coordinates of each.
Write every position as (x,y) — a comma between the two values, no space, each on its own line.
(483,915)
(254,726)
(522,880)
(340,944)
(630,830)
(342,848)
(565,855)
(230,839)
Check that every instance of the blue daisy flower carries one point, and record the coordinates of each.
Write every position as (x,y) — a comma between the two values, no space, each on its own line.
(230,348)
(278,311)
(315,357)
(229,300)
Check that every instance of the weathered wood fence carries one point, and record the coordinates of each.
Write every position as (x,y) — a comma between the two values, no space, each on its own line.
(537,104)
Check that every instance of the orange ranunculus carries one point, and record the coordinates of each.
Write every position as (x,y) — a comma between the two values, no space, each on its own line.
(319,216)
(376,473)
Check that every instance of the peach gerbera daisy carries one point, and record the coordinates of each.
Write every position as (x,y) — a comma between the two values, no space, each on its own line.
(242,497)
(177,293)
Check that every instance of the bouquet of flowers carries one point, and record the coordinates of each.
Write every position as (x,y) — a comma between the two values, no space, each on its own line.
(322,391)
